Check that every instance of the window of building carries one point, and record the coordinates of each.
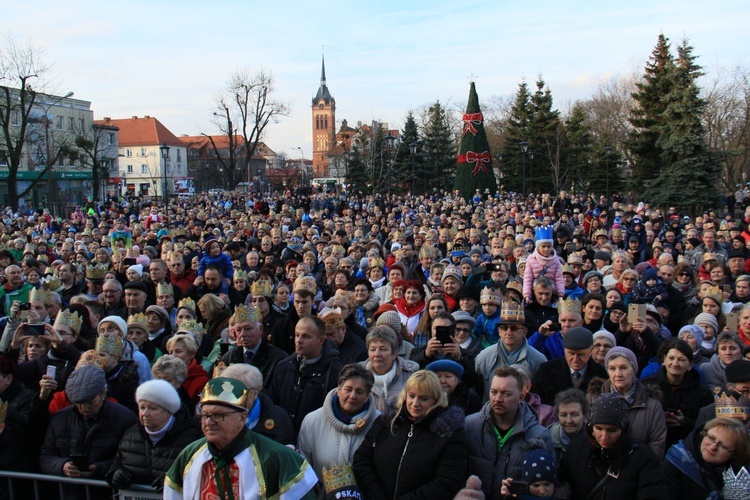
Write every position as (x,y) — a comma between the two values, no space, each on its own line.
(61,162)
(3,158)
(15,118)
(82,124)
(130,169)
(144,169)
(59,123)
(128,153)
(178,155)
(143,151)
(71,123)
(111,139)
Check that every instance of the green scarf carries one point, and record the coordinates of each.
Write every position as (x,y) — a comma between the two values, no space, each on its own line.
(223,460)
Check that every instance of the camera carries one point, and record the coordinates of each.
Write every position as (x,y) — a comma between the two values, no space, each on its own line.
(24,307)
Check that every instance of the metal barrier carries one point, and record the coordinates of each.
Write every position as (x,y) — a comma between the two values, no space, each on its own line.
(94,489)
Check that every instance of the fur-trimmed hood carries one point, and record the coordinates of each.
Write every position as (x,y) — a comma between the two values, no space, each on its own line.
(444,422)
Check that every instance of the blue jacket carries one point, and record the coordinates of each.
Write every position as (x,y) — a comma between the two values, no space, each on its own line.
(551,346)
(486,328)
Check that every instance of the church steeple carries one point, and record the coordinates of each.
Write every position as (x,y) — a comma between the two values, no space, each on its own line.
(323,92)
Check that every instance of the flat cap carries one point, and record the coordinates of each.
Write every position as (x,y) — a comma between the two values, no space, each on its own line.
(578,338)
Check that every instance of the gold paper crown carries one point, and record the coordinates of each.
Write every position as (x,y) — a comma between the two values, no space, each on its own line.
(716,294)
(377,262)
(730,407)
(567,268)
(261,288)
(709,256)
(347,297)
(511,313)
(90,357)
(139,320)
(40,295)
(568,306)
(70,319)
(109,344)
(96,272)
(188,303)
(193,328)
(164,289)
(600,232)
(225,391)
(305,284)
(574,259)
(332,318)
(244,314)
(515,286)
(338,477)
(240,275)
(489,296)
(52,283)
(521,260)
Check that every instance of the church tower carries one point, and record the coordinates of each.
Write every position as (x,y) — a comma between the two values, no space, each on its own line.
(324,125)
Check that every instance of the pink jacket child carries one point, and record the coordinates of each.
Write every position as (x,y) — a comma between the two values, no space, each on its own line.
(543,262)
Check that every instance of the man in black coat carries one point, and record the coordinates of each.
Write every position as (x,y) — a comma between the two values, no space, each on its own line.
(352,349)
(301,381)
(574,370)
(251,347)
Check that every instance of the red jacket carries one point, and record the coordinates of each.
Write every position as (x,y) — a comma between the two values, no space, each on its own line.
(196,379)
(184,281)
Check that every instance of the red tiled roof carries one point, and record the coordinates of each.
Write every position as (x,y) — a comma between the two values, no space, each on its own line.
(146,131)
(201,142)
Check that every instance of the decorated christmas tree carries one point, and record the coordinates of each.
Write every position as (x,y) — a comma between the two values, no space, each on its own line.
(474,169)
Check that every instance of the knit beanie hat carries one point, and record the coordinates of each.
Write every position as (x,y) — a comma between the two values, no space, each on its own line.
(390,319)
(649,274)
(607,335)
(119,322)
(696,330)
(610,409)
(707,319)
(622,352)
(538,465)
(84,384)
(159,392)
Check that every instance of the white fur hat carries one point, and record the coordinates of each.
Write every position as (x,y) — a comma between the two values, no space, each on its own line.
(159,392)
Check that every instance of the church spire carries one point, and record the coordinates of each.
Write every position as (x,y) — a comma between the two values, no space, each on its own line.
(323,73)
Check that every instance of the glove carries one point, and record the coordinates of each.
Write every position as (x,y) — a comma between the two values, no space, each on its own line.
(122,478)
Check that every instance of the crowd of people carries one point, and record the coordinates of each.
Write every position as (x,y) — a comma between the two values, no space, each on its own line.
(312,345)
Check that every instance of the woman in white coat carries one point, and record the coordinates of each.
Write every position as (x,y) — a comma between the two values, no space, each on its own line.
(331,434)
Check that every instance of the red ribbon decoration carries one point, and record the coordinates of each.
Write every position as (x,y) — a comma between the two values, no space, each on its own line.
(470,120)
(479,158)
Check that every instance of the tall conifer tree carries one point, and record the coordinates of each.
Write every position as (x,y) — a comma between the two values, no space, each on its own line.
(474,170)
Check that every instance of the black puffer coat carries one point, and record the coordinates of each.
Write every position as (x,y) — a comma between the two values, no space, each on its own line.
(688,397)
(140,461)
(634,470)
(411,460)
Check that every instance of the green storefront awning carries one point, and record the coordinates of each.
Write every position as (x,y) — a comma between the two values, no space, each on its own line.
(25,175)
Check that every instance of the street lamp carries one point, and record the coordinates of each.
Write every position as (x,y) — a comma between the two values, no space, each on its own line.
(524,149)
(530,154)
(164,155)
(607,151)
(389,140)
(412,151)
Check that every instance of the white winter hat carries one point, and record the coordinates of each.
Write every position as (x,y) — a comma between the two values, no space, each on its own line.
(159,392)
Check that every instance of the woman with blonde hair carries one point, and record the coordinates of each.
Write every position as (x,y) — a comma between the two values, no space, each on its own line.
(215,314)
(428,437)
(183,346)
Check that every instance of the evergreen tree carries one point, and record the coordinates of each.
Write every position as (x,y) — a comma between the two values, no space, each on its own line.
(647,115)
(578,148)
(690,173)
(545,173)
(516,131)
(440,149)
(474,170)
(402,163)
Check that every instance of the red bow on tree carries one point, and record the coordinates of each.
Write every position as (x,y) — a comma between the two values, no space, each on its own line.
(471,119)
(479,158)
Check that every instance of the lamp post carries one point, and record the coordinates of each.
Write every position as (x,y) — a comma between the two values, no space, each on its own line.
(530,154)
(389,140)
(52,187)
(164,155)
(346,171)
(524,149)
(412,151)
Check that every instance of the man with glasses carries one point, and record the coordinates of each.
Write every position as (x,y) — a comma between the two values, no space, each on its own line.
(91,418)
(512,349)
(251,348)
(179,276)
(113,303)
(574,369)
(232,461)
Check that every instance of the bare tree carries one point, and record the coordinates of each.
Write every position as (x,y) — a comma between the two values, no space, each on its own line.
(726,119)
(245,108)
(24,120)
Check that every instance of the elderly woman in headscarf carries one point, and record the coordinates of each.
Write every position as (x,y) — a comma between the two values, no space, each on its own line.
(412,305)
(148,449)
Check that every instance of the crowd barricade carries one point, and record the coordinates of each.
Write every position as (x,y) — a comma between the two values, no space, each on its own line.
(24,485)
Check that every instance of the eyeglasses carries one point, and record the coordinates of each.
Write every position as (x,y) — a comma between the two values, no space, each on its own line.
(629,279)
(216,417)
(460,329)
(512,328)
(713,441)
(686,274)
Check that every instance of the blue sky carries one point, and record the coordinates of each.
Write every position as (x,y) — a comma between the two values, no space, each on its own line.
(168,58)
